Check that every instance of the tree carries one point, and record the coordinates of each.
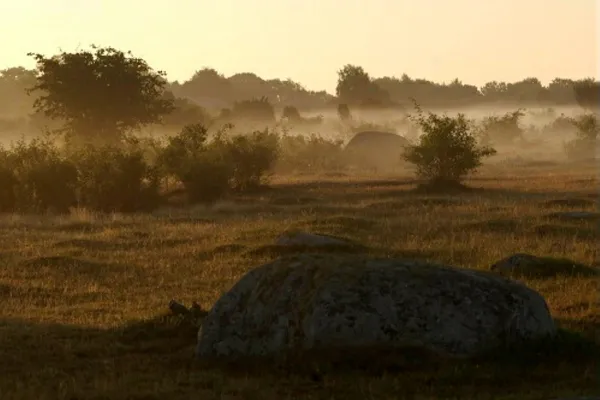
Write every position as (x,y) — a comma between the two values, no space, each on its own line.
(185,112)
(99,95)
(355,87)
(206,83)
(257,109)
(13,83)
(587,94)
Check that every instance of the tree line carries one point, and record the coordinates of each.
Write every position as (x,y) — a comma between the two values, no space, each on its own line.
(98,98)
(355,87)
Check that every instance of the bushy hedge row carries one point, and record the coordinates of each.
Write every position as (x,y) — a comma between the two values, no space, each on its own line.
(42,176)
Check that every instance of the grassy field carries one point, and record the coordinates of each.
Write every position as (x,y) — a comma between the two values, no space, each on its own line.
(82,295)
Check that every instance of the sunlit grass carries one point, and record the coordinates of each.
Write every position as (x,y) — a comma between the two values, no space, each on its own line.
(78,291)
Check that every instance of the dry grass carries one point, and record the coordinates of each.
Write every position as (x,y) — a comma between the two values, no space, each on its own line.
(81,294)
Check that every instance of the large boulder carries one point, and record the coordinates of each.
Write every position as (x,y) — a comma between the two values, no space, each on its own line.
(311,301)
(381,150)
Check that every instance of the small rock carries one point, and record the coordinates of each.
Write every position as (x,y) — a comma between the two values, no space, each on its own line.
(522,264)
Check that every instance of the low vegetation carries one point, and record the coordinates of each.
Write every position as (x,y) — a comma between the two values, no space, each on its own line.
(85,295)
(102,227)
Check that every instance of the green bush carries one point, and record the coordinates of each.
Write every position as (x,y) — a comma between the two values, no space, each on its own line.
(501,130)
(252,157)
(203,168)
(560,125)
(116,179)
(306,154)
(447,151)
(41,178)
(584,145)
(8,184)
(209,169)
(206,177)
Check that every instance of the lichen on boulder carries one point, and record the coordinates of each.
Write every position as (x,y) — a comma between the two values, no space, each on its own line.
(312,301)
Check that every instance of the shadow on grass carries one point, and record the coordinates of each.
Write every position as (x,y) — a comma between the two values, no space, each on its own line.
(573,202)
(71,269)
(339,224)
(524,227)
(101,245)
(506,364)
(506,226)
(567,232)
(356,191)
(152,350)
(222,250)
(274,251)
(70,265)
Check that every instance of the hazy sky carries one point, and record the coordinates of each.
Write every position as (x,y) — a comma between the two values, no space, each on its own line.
(309,40)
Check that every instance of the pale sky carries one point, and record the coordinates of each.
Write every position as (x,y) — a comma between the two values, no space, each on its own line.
(309,40)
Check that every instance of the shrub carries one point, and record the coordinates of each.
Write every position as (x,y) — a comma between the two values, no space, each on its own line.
(206,176)
(204,169)
(8,185)
(116,179)
(447,151)
(41,178)
(504,129)
(560,125)
(584,145)
(309,154)
(252,157)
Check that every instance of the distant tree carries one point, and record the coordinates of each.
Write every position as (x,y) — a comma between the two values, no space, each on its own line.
(13,85)
(255,110)
(587,94)
(185,112)
(206,83)
(355,87)
(560,91)
(101,94)
(494,91)
(247,85)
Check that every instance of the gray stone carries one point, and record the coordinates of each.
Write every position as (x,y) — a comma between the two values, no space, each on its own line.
(521,264)
(376,149)
(312,301)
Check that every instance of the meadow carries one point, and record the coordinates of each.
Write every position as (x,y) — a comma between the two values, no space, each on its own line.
(85,295)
